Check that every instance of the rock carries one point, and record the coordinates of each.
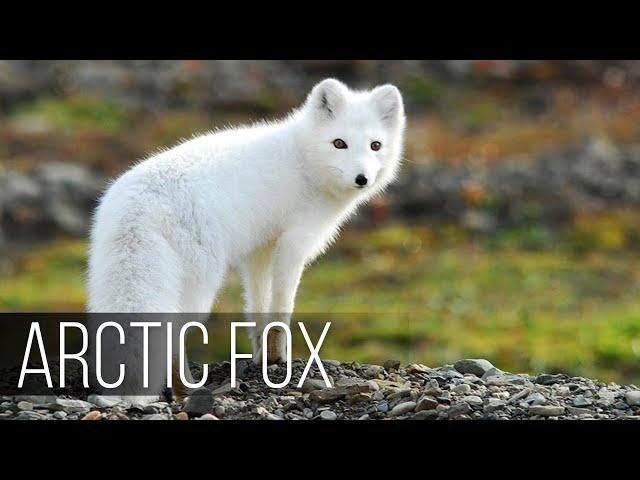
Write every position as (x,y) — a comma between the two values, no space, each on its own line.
(473,400)
(311,384)
(458,410)
(326,395)
(391,365)
(104,401)
(402,409)
(35,399)
(417,368)
(358,398)
(199,402)
(461,389)
(221,390)
(155,416)
(426,415)
(372,371)
(581,401)
(351,387)
(207,416)
(426,403)
(633,398)
(29,415)
(328,415)
(25,405)
(181,416)
(494,404)
(546,410)
(476,366)
(70,405)
(546,379)
(536,398)
(492,372)
(93,415)
(59,415)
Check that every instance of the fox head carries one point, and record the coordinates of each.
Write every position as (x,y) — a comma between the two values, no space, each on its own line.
(353,140)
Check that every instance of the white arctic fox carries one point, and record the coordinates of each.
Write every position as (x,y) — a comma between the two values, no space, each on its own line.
(266,199)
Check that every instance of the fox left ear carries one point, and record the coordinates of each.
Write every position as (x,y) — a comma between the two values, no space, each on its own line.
(327,97)
(388,102)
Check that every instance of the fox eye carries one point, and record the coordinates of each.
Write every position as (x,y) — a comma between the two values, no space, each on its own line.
(339,143)
(375,146)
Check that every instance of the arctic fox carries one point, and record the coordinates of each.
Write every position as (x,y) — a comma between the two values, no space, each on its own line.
(265,199)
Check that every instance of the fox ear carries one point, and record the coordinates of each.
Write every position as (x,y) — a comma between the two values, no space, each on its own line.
(327,97)
(388,102)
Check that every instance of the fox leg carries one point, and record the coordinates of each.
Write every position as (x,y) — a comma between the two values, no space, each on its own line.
(257,276)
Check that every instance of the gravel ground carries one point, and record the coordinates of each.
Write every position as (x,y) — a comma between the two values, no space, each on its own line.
(468,389)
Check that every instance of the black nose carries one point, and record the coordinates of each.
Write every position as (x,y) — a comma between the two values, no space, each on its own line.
(361,180)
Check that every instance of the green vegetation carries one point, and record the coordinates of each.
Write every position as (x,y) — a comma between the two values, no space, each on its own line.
(434,295)
(76,112)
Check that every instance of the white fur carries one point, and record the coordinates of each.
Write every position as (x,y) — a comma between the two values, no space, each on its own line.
(266,199)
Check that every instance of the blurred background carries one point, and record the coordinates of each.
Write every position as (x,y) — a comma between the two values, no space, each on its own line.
(513,233)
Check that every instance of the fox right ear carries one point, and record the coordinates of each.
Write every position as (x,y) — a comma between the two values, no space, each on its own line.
(327,97)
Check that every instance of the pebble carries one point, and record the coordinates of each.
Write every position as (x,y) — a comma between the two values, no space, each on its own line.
(71,405)
(461,389)
(199,403)
(328,415)
(633,398)
(402,409)
(93,415)
(581,401)
(476,366)
(546,410)
(473,400)
(103,401)
(426,403)
(208,416)
(24,405)
(391,365)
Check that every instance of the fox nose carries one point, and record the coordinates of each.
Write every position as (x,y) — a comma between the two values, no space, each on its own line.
(361,180)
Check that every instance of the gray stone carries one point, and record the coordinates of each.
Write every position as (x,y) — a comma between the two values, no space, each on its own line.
(494,404)
(402,409)
(104,401)
(35,399)
(426,415)
(426,403)
(536,398)
(311,384)
(328,415)
(458,410)
(476,366)
(473,400)
(70,405)
(199,402)
(207,416)
(222,389)
(633,398)
(461,389)
(547,379)
(546,410)
(581,401)
(392,364)
(25,405)
(155,416)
